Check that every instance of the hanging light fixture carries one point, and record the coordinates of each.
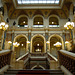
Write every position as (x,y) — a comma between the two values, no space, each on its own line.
(37,44)
(28,42)
(4,26)
(9,42)
(22,44)
(16,44)
(47,42)
(57,44)
(66,42)
(69,25)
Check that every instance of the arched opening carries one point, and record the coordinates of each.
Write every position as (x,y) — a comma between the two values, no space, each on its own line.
(22,48)
(53,22)
(38,41)
(38,44)
(53,49)
(23,22)
(38,22)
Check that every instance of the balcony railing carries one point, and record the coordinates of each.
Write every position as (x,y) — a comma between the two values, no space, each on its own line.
(23,26)
(38,26)
(67,59)
(54,26)
(4,58)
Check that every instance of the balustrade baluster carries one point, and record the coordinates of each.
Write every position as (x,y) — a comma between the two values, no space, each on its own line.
(67,62)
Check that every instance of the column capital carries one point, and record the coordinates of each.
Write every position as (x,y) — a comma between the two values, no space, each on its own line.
(29,31)
(46,31)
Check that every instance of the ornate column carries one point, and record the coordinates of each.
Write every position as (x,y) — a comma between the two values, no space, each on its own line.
(46,36)
(74,21)
(1,31)
(71,35)
(4,37)
(29,39)
(64,38)
(12,39)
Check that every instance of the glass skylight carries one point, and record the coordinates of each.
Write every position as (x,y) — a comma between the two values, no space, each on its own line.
(38,1)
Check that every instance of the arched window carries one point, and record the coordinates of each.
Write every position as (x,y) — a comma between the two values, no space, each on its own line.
(38,22)
(23,22)
(53,22)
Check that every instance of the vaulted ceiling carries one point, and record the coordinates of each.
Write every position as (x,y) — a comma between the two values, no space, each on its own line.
(14,13)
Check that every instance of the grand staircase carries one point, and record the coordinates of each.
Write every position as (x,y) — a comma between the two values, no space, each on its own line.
(34,72)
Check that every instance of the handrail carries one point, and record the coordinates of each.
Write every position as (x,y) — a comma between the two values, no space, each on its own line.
(5,56)
(52,56)
(67,59)
(3,52)
(69,54)
(22,56)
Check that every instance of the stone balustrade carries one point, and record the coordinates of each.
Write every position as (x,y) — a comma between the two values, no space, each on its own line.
(4,58)
(67,59)
(52,61)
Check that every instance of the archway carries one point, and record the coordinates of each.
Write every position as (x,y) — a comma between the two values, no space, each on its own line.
(22,48)
(53,39)
(38,21)
(38,43)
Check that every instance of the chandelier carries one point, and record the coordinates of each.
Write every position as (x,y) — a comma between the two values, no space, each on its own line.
(66,42)
(28,42)
(69,25)
(16,44)
(58,44)
(4,26)
(47,42)
(9,42)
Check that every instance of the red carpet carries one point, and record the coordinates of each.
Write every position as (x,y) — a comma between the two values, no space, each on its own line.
(34,72)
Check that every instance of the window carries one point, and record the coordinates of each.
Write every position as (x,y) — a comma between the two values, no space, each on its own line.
(23,22)
(38,22)
(53,22)
(38,1)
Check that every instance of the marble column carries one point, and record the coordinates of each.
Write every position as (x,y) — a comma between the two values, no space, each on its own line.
(71,36)
(4,38)
(46,36)
(29,39)
(64,39)
(1,33)
(12,39)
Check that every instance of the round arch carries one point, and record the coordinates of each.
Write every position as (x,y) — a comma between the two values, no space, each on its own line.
(22,16)
(55,19)
(36,66)
(54,16)
(38,16)
(59,37)
(39,36)
(21,35)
